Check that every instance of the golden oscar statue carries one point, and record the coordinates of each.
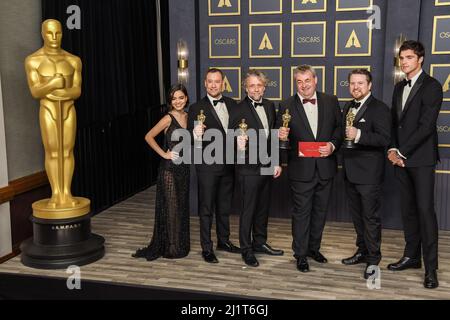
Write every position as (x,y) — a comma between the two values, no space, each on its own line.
(54,77)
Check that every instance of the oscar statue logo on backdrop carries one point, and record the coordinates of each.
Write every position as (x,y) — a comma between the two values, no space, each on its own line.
(353,41)
(304,6)
(265,40)
(224,7)
(224,3)
(265,43)
(446,85)
(227,86)
(442,73)
(353,38)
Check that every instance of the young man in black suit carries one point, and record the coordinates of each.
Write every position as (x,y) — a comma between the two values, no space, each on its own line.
(255,176)
(315,117)
(363,166)
(416,103)
(216,179)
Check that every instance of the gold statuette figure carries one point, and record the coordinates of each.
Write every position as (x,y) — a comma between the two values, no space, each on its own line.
(243,127)
(54,77)
(349,119)
(286,117)
(201,117)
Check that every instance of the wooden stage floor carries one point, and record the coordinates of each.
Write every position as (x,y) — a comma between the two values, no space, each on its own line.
(128,225)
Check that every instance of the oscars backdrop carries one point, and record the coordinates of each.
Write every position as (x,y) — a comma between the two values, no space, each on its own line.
(334,36)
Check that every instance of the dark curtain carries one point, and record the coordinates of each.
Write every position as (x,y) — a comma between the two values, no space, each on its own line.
(120,98)
(165,39)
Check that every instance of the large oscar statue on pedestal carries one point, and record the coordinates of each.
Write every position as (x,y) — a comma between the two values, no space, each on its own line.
(61,225)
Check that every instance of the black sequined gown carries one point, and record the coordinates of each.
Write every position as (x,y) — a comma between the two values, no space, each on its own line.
(171,237)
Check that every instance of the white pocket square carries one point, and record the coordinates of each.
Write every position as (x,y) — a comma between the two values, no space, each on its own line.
(362,120)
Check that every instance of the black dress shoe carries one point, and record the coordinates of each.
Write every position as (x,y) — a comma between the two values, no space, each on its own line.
(367,272)
(317,256)
(405,263)
(431,280)
(209,257)
(355,259)
(302,264)
(265,248)
(250,259)
(228,246)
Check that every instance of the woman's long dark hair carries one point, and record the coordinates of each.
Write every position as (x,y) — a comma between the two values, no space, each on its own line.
(172,90)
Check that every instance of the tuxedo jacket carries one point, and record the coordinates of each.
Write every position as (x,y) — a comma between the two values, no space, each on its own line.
(247,111)
(365,164)
(212,121)
(414,131)
(329,130)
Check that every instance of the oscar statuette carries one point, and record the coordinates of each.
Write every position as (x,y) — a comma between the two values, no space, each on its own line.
(284,143)
(243,127)
(349,119)
(201,118)
(62,224)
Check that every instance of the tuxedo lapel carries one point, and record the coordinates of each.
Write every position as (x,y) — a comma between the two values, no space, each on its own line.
(320,114)
(269,113)
(399,100)
(363,109)
(298,106)
(254,113)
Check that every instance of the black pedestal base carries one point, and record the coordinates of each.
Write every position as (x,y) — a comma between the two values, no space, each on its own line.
(349,144)
(285,145)
(58,244)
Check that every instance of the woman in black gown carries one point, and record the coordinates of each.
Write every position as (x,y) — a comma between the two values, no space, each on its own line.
(171,230)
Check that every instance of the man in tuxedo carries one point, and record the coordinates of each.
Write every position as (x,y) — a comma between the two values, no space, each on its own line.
(363,165)
(259,115)
(416,103)
(315,117)
(216,180)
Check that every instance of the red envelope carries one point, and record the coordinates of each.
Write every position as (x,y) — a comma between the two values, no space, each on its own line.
(310,149)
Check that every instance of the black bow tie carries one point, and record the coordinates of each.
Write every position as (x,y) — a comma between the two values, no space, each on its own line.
(215,102)
(258,104)
(312,101)
(356,105)
(406,82)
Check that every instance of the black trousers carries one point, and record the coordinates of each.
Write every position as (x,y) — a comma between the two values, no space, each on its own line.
(310,213)
(214,195)
(255,211)
(419,217)
(364,205)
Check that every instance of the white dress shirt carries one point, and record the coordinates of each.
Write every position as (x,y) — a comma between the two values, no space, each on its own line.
(221,110)
(262,116)
(312,113)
